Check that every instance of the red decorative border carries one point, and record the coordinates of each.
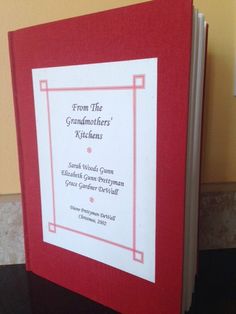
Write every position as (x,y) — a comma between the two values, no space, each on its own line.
(137,83)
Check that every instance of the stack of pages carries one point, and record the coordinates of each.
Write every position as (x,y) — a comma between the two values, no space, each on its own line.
(198,62)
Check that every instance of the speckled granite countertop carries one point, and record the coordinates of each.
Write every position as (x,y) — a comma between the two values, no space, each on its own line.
(11,230)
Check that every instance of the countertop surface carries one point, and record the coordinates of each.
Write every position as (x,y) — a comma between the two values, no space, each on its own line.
(22,292)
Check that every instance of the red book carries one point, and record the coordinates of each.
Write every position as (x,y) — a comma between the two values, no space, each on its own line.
(101,105)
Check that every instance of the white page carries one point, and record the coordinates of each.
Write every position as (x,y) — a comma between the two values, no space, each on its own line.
(96,133)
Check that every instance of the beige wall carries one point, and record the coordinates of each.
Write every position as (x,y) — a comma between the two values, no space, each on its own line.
(219,145)
(16,14)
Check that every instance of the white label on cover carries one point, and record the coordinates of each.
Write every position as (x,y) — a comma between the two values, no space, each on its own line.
(96,133)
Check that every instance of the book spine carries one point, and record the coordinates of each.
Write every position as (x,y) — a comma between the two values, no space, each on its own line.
(19,146)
